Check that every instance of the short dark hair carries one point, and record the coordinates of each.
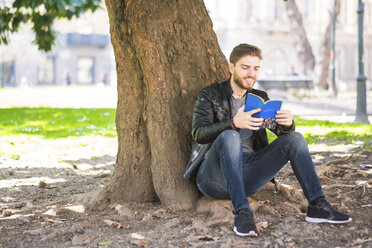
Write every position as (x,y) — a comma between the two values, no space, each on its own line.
(242,50)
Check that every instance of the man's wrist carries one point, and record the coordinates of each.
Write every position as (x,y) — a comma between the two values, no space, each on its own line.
(232,123)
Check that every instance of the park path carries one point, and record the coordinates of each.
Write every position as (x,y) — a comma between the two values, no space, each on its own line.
(322,107)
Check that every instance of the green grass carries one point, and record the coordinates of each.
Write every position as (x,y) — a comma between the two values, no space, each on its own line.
(333,133)
(53,123)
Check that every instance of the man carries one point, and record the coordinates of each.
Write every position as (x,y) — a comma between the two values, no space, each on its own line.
(236,159)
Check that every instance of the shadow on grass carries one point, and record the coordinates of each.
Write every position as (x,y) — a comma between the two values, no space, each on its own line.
(53,123)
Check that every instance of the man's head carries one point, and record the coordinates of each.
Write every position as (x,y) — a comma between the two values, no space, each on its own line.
(244,65)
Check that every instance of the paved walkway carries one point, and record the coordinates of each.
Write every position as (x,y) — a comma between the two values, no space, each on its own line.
(340,109)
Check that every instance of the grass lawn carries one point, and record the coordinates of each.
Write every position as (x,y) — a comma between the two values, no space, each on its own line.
(53,123)
(332,133)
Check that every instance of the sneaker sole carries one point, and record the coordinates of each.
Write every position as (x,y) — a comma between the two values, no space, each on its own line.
(320,220)
(250,234)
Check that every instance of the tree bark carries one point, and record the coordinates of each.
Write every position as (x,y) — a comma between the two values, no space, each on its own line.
(298,33)
(165,52)
(321,70)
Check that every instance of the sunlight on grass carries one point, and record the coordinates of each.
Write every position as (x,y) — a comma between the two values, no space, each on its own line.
(57,122)
(53,123)
(333,133)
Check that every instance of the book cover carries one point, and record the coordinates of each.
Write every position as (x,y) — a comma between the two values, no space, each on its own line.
(268,109)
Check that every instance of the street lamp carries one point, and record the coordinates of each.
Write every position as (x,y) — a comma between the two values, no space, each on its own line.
(361,108)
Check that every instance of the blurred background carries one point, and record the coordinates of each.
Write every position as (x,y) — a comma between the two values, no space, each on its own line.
(82,54)
(310,49)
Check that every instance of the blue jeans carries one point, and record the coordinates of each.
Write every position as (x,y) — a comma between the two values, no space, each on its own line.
(228,173)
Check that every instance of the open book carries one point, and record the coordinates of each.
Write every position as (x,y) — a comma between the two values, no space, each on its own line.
(268,109)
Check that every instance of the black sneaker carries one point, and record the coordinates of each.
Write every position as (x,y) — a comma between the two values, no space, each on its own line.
(244,224)
(323,212)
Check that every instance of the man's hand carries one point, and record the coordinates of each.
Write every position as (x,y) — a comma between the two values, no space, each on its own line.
(284,117)
(245,120)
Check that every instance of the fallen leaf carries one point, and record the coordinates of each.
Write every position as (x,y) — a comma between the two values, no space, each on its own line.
(159,213)
(42,184)
(262,225)
(105,242)
(139,243)
(137,236)
(46,219)
(116,224)
(9,212)
(208,238)
(103,175)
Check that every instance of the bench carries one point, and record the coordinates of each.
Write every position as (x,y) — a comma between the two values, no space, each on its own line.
(287,82)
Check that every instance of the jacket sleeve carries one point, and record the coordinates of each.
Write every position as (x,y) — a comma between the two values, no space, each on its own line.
(204,128)
(280,129)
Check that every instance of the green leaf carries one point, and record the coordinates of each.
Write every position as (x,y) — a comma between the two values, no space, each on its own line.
(105,242)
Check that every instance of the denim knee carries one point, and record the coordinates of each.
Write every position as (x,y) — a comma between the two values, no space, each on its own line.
(295,140)
(231,139)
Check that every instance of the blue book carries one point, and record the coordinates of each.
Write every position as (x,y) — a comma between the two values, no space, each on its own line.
(268,108)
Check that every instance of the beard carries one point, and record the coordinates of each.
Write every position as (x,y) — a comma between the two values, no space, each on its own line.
(239,82)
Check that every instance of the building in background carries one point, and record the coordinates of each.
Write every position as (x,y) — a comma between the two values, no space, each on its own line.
(265,23)
(82,54)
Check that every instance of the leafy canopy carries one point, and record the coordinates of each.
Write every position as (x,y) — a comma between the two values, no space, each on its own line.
(41,14)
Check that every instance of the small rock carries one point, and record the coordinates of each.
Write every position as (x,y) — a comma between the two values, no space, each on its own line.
(42,184)
(29,204)
(172,223)
(316,161)
(125,211)
(19,205)
(291,245)
(301,238)
(34,232)
(80,231)
(147,217)
(82,239)
(279,242)
(363,166)
(11,173)
(345,237)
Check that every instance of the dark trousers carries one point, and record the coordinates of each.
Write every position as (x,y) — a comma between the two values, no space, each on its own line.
(228,173)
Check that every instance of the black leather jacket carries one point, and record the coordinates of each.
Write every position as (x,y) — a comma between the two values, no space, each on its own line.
(212,115)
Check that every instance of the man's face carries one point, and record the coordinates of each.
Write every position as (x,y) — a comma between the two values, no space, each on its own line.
(245,71)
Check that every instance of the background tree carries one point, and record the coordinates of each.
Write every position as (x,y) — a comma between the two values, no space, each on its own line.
(317,67)
(41,14)
(301,43)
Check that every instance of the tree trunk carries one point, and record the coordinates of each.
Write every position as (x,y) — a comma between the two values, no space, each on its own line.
(165,52)
(301,43)
(321,70)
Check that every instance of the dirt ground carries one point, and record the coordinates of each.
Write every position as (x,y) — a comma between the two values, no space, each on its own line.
(38,174)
